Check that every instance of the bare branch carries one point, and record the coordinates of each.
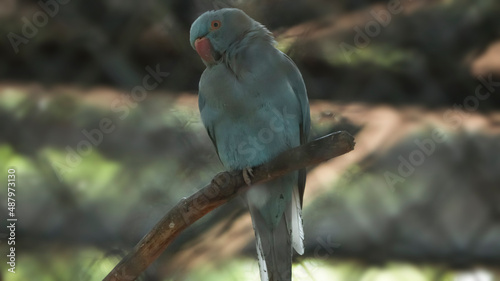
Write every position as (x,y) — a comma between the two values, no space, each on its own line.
(224,186)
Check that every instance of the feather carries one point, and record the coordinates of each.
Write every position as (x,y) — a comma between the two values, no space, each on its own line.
(297,227)
(262,262)
(273,239)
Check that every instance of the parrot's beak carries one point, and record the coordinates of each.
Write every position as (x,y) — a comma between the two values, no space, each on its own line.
(205,50)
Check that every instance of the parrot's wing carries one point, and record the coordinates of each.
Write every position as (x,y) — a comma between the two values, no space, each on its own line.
(297,83)
(208,127)
(299,88)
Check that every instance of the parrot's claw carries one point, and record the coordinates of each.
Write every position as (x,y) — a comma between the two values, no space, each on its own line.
(247,175)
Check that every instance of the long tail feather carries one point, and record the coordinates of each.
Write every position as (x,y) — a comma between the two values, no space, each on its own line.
(275,208)
(297,227)
(274,249)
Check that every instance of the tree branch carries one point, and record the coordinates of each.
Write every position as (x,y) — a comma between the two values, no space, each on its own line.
(224,186)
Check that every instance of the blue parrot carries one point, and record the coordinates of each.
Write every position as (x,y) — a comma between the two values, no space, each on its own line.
(253,104)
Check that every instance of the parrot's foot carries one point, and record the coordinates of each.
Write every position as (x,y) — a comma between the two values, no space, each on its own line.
(247,175)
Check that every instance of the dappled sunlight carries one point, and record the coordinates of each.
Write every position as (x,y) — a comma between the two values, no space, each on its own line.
(320,270)
(99,119)
(488,62)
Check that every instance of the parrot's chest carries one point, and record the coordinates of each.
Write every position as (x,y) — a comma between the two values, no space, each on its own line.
(251,134)
(224,91)
(253,117)
(253,139)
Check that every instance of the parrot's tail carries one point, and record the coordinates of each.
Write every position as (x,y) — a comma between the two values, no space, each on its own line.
(274,249)
(297,226)
(275,241)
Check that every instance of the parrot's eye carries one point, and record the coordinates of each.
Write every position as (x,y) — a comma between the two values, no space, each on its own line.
(216,24)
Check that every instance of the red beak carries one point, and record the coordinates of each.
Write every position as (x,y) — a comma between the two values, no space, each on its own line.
(204,49)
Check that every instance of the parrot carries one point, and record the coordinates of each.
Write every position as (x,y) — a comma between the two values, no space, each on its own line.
(253,104)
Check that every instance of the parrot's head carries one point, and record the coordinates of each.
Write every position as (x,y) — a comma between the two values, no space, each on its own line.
(214,32)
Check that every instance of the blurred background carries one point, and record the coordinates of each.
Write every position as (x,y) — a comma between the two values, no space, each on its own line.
(99,117)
